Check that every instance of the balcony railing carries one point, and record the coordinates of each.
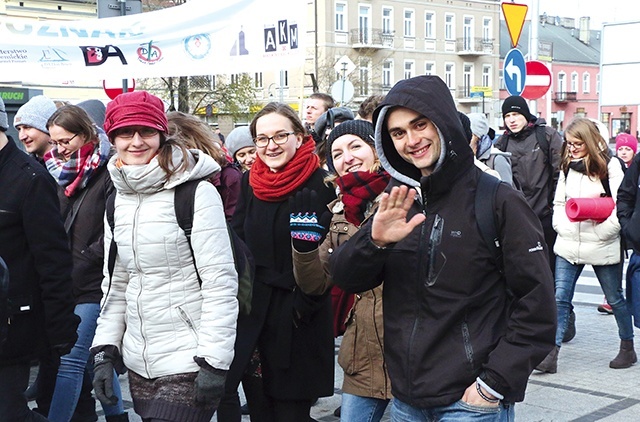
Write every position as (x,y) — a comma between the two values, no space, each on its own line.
(474,46)
(374,38)
(565,97)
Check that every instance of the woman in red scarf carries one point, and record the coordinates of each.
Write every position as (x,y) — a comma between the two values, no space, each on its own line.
(292,330)
(351,157)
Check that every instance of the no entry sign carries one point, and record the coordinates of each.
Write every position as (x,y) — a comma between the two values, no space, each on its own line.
(538,80)
(113,87)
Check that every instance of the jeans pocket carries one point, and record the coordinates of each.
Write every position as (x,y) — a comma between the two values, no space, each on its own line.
(485,410)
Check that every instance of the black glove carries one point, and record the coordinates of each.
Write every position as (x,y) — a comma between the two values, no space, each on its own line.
(209,383)
(307,231)
(105,360)
(62,349)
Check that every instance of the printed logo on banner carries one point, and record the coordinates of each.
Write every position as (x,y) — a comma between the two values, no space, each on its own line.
(53,58)
(149,53)
(95,56)
(14,55)
(239,48)
(281,38)
(197,46)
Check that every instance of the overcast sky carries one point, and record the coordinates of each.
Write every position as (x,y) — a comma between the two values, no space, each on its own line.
(598,10)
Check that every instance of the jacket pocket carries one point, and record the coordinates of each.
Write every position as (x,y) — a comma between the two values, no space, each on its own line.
(186,319)
(347,358)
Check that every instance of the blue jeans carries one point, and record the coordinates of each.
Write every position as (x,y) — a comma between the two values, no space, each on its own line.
(73,366)
(610,278)
(633,287)
(458,412)
(361,409)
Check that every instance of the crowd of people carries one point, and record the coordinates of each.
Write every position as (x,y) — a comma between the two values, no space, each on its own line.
(446,257)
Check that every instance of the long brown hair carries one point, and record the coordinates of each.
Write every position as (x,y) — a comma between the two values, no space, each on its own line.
(597,158)
(195,134)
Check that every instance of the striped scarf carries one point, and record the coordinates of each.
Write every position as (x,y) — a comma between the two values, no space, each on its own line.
(75,173)
(358,189)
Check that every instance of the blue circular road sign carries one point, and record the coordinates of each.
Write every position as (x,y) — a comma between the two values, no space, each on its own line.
(514,72)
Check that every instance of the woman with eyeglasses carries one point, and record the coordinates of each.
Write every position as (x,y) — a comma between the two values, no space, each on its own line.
(589,171)
(169,309)
(78,162)
(292,330)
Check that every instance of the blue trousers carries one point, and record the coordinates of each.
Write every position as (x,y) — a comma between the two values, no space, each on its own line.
(455,412)
(361,409)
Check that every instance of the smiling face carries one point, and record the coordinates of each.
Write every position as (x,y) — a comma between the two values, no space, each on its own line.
(415,138)
(576,147)
(350,154)
(66,142)
(515,121)
(35,141)
(246,157)
(276,156)
(136,145)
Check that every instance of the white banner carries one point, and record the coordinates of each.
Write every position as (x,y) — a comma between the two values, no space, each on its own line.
(200,37)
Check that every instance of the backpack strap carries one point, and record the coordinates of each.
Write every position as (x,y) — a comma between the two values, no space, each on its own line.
(486,216)
(184,206)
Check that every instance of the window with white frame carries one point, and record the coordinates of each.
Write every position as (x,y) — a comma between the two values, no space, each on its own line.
(341,17)
(598,83)
(562,82)
(387,20)
(409,66)
(486,75)
(586,82)
(467,33)
(487,30)
(429,25)
(284,76)
(409,23)
(429,68)
(387,74)
(467,78)
(449,26)
(574,82)
(257,80)
(364,25)
(449,75)
(363,88)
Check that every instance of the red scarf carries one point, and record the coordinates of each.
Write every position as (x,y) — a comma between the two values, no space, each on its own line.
(276,186)
(358,189)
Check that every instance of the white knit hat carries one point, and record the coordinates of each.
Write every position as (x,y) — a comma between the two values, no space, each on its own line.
(35,113)
(237,139)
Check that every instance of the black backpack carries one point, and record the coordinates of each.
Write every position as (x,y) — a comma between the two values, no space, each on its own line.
(184,197)
(4,302)
(485,204)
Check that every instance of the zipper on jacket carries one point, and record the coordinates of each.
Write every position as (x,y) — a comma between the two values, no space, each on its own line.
(408,374)
(434,240)
(187,320)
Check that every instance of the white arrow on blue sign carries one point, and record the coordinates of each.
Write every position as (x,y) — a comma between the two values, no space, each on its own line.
(514,71)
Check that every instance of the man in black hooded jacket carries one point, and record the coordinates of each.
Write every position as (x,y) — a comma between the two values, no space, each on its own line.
(461,335)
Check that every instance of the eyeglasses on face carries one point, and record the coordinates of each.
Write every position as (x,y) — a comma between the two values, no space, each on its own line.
(129,132)
(279,138)
(575,145)
(64,141)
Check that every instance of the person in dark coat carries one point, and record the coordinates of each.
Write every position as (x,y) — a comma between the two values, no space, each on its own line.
(292,330)
(463,328)
(39,304)
(78,162)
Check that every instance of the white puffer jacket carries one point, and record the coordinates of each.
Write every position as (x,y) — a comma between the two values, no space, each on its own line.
(587,242)
(154,309)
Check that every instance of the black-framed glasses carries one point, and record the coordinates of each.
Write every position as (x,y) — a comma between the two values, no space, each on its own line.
(129,132)
(64,141)
(575,145)
(279,138)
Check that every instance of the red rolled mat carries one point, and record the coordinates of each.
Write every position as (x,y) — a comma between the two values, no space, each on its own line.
(598,209)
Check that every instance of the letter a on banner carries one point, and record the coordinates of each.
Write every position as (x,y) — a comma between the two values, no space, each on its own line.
(514,15)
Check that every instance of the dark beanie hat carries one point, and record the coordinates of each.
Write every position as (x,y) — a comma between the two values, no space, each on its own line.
(517,104)
(360,128)
(137,108)
(466,125)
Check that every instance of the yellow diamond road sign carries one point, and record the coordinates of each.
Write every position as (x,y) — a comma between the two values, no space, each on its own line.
(514,15)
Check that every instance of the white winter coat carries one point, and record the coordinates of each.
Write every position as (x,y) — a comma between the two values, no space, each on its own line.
(587,242)
(154,309)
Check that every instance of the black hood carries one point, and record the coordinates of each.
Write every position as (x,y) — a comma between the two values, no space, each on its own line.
(429,96)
